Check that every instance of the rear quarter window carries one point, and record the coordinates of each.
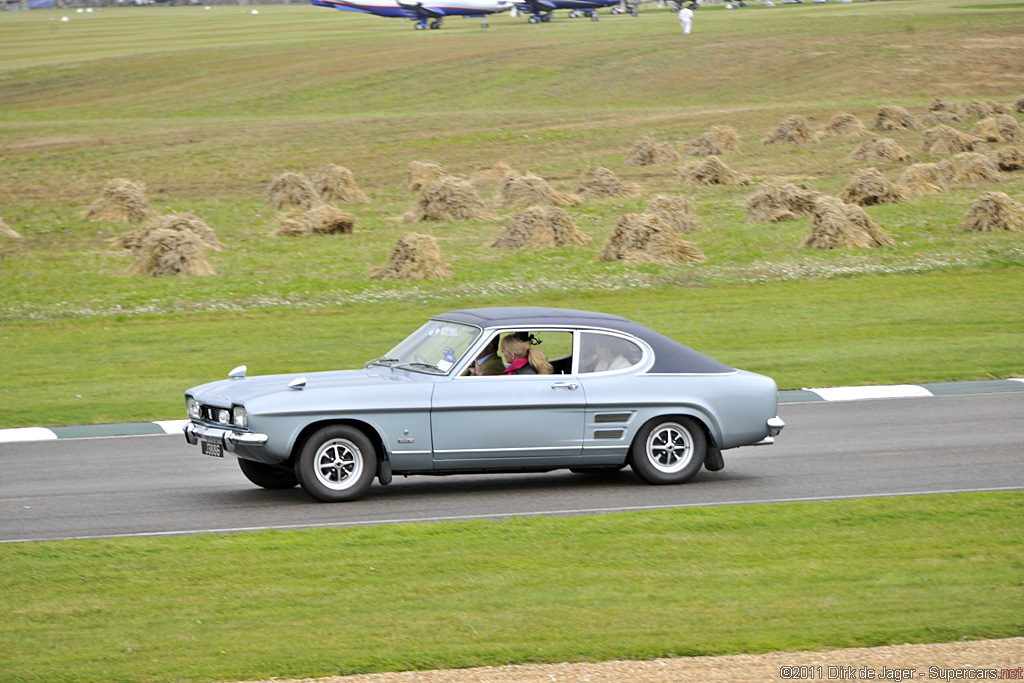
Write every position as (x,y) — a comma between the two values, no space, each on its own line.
(605,353)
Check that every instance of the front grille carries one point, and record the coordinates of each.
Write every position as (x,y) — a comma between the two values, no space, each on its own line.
(211,414)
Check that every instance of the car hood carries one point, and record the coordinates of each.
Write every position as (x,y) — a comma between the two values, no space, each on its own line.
(241,391)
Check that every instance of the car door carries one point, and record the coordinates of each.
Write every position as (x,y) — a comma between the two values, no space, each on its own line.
(608,365)
(511,421)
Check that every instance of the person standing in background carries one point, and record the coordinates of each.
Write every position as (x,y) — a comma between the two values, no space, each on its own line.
(686,17)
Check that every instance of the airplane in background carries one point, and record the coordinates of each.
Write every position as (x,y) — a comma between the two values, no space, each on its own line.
(426,13)
(541,10)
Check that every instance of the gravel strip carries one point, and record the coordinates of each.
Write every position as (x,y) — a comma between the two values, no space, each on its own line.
(965,660)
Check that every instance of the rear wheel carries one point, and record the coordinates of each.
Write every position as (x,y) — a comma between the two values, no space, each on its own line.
(268,476)
(336,464)
(669,450)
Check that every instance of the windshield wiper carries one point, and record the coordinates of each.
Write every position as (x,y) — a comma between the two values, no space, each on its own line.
(425,366)
(383,360)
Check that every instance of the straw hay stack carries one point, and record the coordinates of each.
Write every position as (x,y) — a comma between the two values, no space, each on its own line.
(935,118)
(540,227)
(1008,158)
(795,129)
(337,184)
(983,108)
(838,225)
(969,167)
(894,118)
(599,182)
(1000,128)
(7,231)
(650,152)
(923,179)
(415,257)
(177,222)
(448,198)
(945,140)
(1019,104)
(323,220)
(779,200)
(645,238)
(868,187)
(292,191)
(422,172)
(878,150)
(676,212)
(844,124)
(941,111)
(717,140)
(122,201)
(169,251)
(532,190)
(491,174)
(994,211)
(710,171)
(290,224)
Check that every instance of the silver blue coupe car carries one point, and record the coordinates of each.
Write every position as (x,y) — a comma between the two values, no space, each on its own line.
(490,390)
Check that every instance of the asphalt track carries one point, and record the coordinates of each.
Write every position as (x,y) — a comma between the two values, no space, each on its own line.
(155,485)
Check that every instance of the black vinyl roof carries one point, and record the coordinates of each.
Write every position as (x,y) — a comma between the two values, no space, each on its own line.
(670,357)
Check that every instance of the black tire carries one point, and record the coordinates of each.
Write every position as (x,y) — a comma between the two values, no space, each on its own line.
(268,476)
(669,450)
(337,464)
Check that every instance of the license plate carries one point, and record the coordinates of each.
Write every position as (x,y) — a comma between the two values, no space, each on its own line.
(212,448)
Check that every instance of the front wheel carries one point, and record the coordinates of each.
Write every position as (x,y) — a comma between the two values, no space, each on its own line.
(669,450)
(337,464)
(268,476)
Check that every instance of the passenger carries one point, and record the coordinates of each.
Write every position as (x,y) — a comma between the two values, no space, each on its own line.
(523,356)
(487,363)
(609,358)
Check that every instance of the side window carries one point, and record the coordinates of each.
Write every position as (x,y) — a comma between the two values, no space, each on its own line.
(549,351)
(604,352)
(488,362)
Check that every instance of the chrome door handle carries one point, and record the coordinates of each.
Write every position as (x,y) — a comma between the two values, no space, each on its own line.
(571,386)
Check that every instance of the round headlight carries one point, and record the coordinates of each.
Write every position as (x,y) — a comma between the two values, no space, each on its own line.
(241,418)
(224,416)
(192,406)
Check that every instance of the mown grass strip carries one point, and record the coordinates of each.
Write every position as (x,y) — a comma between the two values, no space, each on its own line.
(929,327)
(696,581)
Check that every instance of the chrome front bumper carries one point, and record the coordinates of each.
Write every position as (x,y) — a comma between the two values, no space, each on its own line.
(775,425)
(195,433)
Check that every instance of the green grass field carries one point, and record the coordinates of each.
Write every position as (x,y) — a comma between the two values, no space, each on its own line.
(699,581)
(207,106)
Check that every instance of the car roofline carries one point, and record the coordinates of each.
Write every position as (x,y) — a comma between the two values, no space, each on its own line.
(671,357)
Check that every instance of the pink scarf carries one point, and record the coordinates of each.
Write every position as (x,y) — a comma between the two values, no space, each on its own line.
(515,365)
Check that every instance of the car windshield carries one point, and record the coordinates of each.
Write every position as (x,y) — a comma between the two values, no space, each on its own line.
(434,348)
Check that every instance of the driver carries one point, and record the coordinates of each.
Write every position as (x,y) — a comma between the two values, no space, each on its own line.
(488,362)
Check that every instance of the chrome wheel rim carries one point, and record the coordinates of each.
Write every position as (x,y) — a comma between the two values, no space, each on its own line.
(338,464)
(669,447)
